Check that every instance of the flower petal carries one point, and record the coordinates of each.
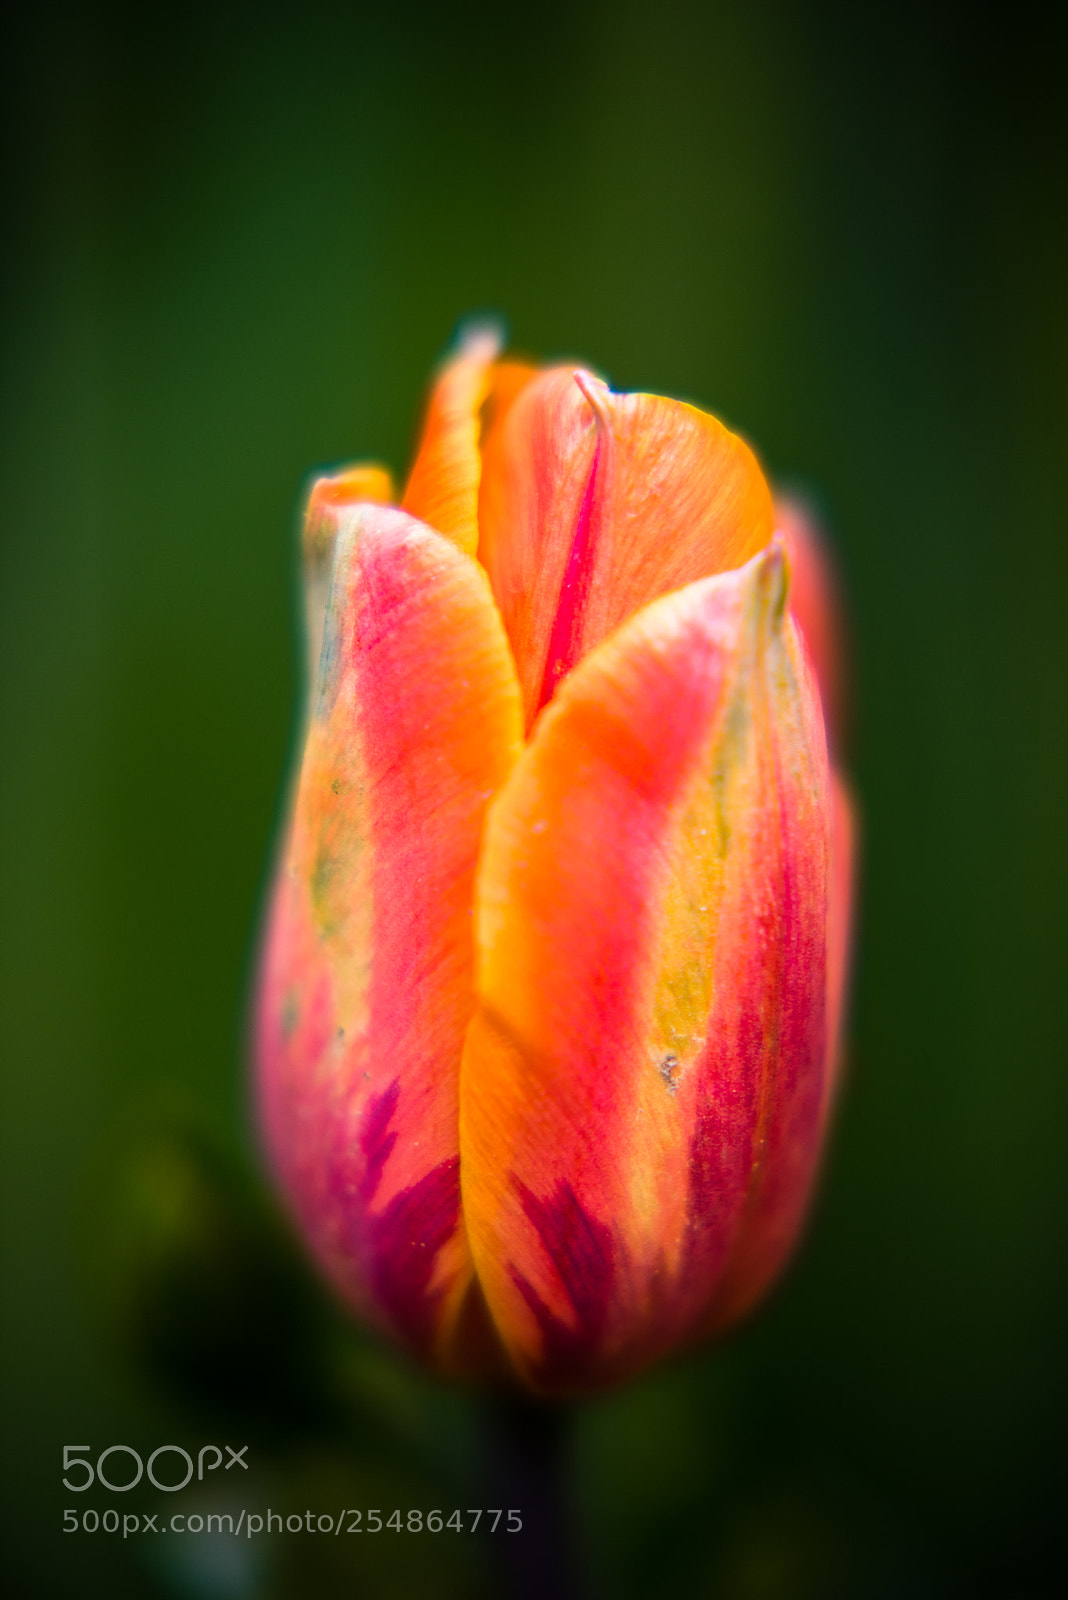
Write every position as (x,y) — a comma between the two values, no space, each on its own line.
(651,924)
(365,481)
(443,484)
(367,975)
(816,603)
(594,503)
(793,1136)
(839,921)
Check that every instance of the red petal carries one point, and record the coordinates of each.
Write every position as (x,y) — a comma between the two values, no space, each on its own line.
(367,975)
(648,1058)
(815,601)
(839,920)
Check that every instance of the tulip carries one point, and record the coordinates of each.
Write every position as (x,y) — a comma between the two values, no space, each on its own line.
(551,986)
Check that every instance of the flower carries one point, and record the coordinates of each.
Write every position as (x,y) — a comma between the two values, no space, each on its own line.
(551,984)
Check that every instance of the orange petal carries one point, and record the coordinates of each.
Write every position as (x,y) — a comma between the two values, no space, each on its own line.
(594,503)
(507,380)
(366,987)
(443,486)
(364,480)
(648,1054)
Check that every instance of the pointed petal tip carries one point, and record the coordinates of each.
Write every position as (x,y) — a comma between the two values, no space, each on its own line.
(774,576)
(479,339)
(762,583)
(817,603)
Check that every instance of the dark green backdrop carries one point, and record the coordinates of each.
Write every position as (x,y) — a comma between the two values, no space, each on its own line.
(237,239)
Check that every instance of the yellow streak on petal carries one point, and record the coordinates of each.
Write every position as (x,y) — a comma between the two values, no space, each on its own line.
(637,805)
(414,724)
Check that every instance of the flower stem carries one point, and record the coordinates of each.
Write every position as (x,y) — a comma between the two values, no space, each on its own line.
(525,1455)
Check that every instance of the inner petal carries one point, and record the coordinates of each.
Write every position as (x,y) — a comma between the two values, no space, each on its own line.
(565,640)
(592,504)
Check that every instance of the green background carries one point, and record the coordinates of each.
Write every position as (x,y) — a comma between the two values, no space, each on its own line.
(237,239)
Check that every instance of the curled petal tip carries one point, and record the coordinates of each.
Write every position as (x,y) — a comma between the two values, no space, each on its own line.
(593,389)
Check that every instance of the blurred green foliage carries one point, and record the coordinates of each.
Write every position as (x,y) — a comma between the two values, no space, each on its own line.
(237,239)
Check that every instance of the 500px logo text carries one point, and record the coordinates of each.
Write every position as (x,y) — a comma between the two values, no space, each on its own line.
(75,1457)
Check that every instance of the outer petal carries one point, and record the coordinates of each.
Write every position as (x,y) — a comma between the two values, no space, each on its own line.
(816,603)
(839,921)
(776,1208)
(594,503)
(366,986)
(366,481)
(646,1067)
(443,486)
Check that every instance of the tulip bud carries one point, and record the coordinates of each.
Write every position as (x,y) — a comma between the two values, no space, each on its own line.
(552,979)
